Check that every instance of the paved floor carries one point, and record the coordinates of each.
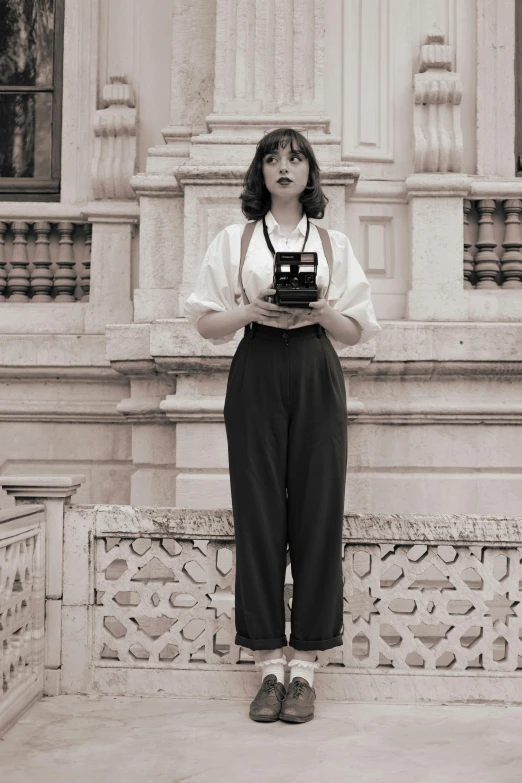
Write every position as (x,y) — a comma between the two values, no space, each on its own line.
(81,739)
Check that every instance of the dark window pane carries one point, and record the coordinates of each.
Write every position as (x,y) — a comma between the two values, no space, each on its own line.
(25,135)
(26,43)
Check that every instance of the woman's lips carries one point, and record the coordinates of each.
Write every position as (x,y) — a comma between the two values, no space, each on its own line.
(284,181)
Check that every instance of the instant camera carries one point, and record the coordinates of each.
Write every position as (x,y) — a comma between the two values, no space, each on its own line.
(295,279)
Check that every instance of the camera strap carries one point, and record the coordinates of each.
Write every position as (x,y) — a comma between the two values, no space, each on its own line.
(247,236)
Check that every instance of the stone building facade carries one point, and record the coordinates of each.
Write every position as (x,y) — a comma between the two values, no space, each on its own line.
(411,108)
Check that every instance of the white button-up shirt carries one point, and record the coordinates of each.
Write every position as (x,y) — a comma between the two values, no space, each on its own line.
(218,289)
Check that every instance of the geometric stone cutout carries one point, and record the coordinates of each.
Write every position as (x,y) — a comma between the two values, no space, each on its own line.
(430,606)
(184,600)
(155,599)
(500,647)
(447,553)
(500,608)
(141,545)
(476,663)
(361,604)
(391,576)
(472,580)
(459,606)
(169,652)
(402,606)
(446,660)
(386,549)
(171,546)
(195,571)
(222,600)
(430,635)
(201,544)
(389,635)
(384,661)
(193,629)
(127,598)
(500,567)
(360,646)
(476,551)
(115,569)
(154,627)
(413,659)
(431,579)
(224,560)
(114,627)
(110,543)
(361,563)
(154,571)
(199,655)
(139,652)
(221,642)
(471,636)
(416,552)
(108,653)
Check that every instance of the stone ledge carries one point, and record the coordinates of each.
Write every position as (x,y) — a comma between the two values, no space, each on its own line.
(116,520)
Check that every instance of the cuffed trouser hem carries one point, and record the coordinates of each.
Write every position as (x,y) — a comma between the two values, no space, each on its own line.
(319,644)
(261,644)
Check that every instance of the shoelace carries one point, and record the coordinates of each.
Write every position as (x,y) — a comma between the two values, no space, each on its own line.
(268,685)
(299,687)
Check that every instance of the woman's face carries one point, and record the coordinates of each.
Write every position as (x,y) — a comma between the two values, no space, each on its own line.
(285,172)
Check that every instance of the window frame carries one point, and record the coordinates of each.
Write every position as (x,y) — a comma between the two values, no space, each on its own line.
(43,188)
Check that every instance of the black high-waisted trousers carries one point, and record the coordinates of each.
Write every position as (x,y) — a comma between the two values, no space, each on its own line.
(286,425)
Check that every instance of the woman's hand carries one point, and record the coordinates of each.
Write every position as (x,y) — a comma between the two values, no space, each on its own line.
(268,313)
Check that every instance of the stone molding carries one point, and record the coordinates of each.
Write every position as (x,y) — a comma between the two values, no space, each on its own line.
(344,175)
(39,411)
(155,186)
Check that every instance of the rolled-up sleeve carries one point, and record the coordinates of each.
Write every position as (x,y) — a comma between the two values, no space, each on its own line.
(217,286)
(350,292)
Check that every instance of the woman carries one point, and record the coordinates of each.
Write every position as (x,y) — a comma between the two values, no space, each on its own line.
(285,417)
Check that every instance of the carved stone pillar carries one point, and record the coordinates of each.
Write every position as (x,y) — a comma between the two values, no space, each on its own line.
(269,66)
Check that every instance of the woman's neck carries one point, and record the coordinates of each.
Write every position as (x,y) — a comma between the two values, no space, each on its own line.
(287,215)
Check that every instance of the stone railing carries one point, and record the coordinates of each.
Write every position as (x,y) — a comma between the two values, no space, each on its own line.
(492,243)
(431,607)
(42,261)
(53,255)
(22,569)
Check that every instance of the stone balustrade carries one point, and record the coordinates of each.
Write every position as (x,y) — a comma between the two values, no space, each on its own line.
(44,261)
(22,596)
(431,607)
(492,243)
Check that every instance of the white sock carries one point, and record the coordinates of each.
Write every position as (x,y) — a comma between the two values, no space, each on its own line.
(273,666)
(304,669)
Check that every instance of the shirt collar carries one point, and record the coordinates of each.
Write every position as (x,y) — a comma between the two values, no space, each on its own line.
(272,224)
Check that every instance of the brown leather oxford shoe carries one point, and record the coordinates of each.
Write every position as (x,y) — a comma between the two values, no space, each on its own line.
(298,705)
(267,703)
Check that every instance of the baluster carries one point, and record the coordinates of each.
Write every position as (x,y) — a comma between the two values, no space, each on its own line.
(85,277)
(18,277)
(65,276)
(487,265)
(468,258)
(3,262)
(42,277)
(511,259)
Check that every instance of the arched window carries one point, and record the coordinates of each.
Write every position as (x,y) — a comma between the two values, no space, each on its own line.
(31,61)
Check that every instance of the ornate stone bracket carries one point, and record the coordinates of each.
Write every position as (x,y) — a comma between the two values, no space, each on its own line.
(436,116)
(115,128)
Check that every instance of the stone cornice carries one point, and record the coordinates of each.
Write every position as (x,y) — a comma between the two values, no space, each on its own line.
(427,412)
(155,186)
(438,185)
(83,412)
(344,175)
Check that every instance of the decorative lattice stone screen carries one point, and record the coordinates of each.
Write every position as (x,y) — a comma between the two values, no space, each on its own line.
(427,601)
(22,582)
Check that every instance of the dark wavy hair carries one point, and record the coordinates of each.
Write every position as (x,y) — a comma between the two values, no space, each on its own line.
(256,198)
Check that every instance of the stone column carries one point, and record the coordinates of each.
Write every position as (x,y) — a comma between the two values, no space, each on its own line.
(52,492)
(269,67)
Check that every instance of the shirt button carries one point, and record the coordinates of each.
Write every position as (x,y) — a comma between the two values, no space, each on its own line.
(285,334)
